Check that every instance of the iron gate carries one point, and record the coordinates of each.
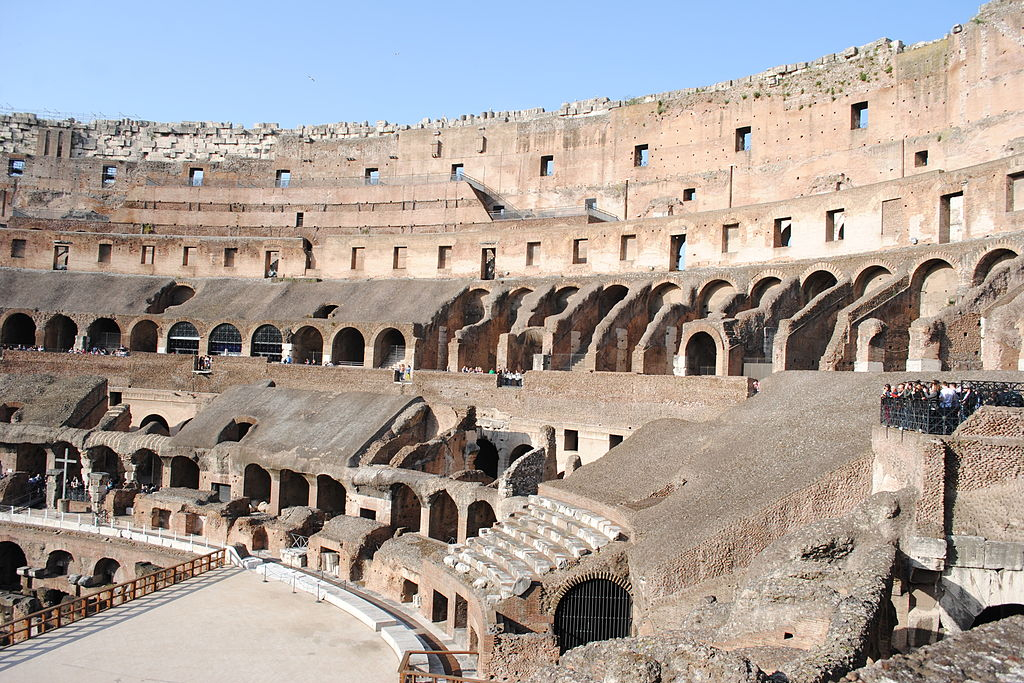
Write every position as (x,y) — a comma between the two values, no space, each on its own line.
(597,609)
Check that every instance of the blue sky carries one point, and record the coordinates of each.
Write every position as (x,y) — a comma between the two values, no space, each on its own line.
(321,62)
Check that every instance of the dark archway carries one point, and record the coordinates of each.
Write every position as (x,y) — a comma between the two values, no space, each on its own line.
(225,340)
(405,508)
(175,296)
(444,518)
(58,563)
(106,460)
(161,427)
(59,333)
(997,612)
(816,283)
(266,343)
(11,557)
(236,430)
(990,261)
(184,473)
(486,458)
(389,349)
(870,280)
(480,515)
(518,452)
(294,489)
(593,610)
(183,338)
(715,297)
(106,570)
(330,495)
(256,483)
(349,347)
(104,333)
(701,355)
(31,458)
(18,330)
(144,337)
(763,286)
(663,295)
(259,539)
(609,297)
(308,346)
(473,308)
(515,302)
(148,467)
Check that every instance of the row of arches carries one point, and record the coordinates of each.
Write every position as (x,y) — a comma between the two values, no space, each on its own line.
(58,562)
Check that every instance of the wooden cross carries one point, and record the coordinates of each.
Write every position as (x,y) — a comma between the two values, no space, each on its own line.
(64,480)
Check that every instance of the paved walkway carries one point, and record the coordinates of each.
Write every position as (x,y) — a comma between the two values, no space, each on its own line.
(223,626)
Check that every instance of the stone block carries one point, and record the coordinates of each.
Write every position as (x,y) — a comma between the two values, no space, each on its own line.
(1000,555)
(926,553)
(967,551)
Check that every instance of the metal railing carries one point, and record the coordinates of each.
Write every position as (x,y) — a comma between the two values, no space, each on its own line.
(50,618)
(939,416)
(406,674)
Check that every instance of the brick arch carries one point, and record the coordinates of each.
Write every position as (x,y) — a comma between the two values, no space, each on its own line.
(987,258)
(721,352)
(573,581)
(957,262)
(894,271)
(838,274)
(754,280)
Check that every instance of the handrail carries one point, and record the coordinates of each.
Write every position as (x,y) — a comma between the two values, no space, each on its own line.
(408,675)
(50,618)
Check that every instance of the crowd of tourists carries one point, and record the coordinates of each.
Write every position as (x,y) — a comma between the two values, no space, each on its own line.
(94,351)
(938,407)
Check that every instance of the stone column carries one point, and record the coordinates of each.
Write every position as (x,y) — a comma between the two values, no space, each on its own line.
(274,506)
(425,520)
(54,486)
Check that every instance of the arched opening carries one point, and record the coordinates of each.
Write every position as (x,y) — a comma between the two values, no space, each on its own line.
(184,473)
(31,458)
(175,296)
(871,280)
(294,489)
(8,410)
(266,343)
(763,286)
(663,295)
(444,518)
(106,460)
(161,427)
(609,297)
(473,309)
(486,458)
(990,261)
(816,283)
(597,609)
(11,557)
(480,515)
(148,467)
(59,333)
(183,338)
(330,495)
(58,562)
(259,539)
(18,330)
(106,571)
(515,302)
(144,337)
(405,508)
(65,451)
(256,483)
(104,333)
(936,285)
(308,346)
(324,310)
(562,297)
(701,355)
(236,430)
(389,349)
(715,297)
(225,340)
(348,348)
(997,612)
(518,452)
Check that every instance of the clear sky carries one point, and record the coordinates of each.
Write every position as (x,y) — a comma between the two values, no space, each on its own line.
(317,62)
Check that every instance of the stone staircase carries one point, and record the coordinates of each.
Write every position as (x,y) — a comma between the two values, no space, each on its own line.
(545,535)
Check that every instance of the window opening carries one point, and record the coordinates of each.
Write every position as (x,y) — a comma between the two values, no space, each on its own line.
(195,177)
(60,256)
(270,263)
(579,250)
(627,248)
(300,217)
(109,175)
(547,165)
(358,258)
(16,168)
(571,441)
(783,232)
(921,158)
(283,178)
(398,261)
(532,253)
(371,176)
(104,253)
(444,257)
(689,194)
(743,139)
(678,252)
(641,155)
(230,254)
(730,237)
(487,258)
(458,172)
(835,225)
(188,256)
(859,115)
(148,254)
(17,248)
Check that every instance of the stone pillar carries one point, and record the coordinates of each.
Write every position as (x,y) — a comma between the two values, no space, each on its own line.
(165,472)
(98,482)
(54,486)
(274,506)
(313,490)
(81,342)
(462,526)
(425,520)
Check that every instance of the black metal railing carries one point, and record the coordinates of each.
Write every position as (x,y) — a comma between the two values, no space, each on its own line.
(943,415)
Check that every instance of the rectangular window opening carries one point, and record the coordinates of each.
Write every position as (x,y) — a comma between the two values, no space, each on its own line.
(17,248)
(783,232)
(921,158)
(1015,192)
(458,172)
(271,261)
(188,256)
(444,257)
(367,513)
(579,250)
(859,116)
(398,258)
(195,177)
(300,217)
(951,217)
(283,178)
(148,254)
(641,155)
(61,254)
(743,139)
(835,225)
(230,255)
(358,258)
(547,165)
(627,248)
(104,253)
(371,176)
(109,175)
(16,168)
(730,237)
(689,194)
(533,253)
(571,442)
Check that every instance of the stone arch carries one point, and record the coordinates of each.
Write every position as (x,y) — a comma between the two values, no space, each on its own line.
(330,495)
(759,289)
(989,261)
(256,483)
(405,508)
(934,286)
(8,410)
(58,562)
(18,330)
(161,428)
(348,347)
(184,472)
(592,608)
(224,340)
(473,309)
(714,296)
(144,336)
(237,429)
(444,518)
(519,451)
(816,282)
(104,459)
(59,333)
(308,345)
(106,571)
(294,489)
(104,333)
(259,539)
(324,311)
(869,279)
(514,302)
(662,295)
(561,298)
(266,342)
(701,354)
(816,270)
(486,458)
(609,297)
(388,348)
(183,338)
(12,556)
(479,515)
(170,297)
(148,467)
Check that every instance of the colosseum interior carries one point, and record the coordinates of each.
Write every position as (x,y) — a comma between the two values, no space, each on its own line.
(592,393)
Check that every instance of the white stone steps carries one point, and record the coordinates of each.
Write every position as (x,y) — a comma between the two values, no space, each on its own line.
(538,563)
(532,530)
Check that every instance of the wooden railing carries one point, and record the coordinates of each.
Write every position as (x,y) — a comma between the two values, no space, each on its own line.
(46,620)
(408,675)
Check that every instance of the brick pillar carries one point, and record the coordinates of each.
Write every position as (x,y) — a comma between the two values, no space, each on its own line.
(274,506)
